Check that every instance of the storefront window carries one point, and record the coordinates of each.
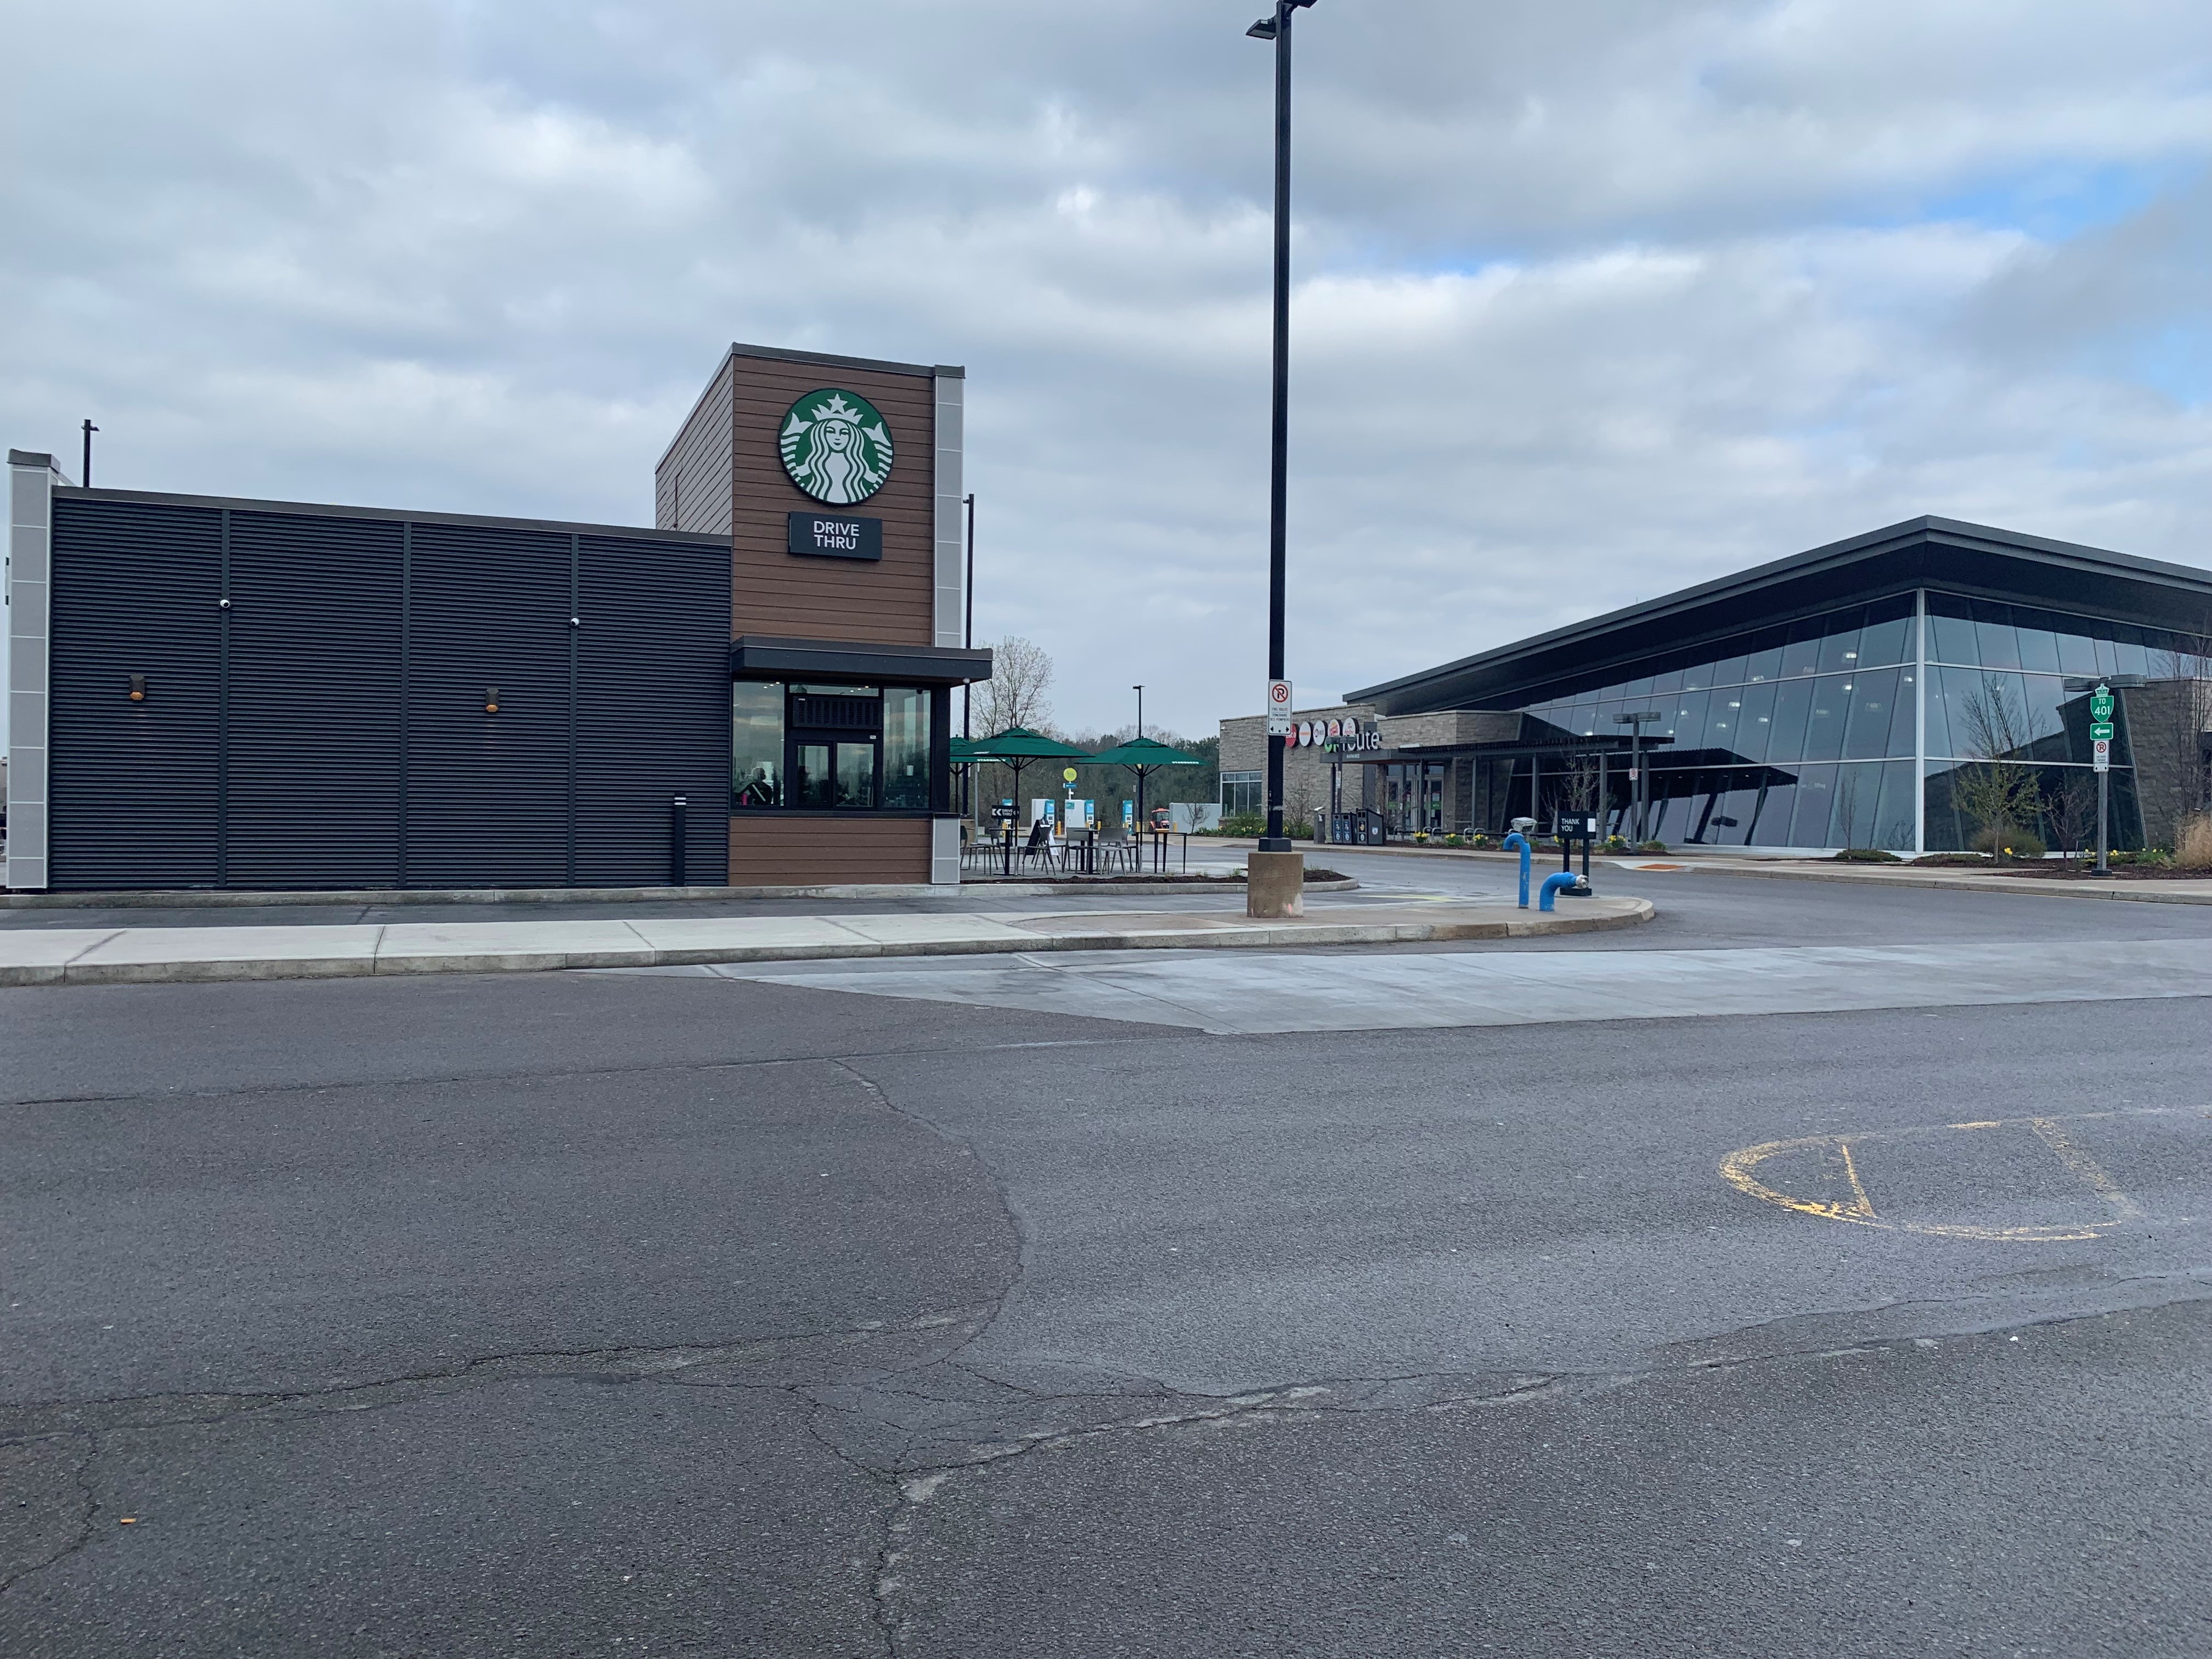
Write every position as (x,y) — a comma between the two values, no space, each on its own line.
(905,747)
(1240,794)
(757,743)
(813,780)
(856,774)
(828,747)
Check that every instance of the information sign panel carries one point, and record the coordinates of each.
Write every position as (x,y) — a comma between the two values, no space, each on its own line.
(2100,754)
(1278,709)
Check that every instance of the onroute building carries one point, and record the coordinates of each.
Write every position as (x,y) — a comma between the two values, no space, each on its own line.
(1846,696)
(210,692)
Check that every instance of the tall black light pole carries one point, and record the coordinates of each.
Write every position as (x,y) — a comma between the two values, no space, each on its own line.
(968,631)
(1278,29)
(1140,690)
(1635,720)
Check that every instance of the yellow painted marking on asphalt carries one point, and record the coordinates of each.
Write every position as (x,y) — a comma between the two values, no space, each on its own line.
(1862,1206)
(2087,1170)
(1738,1169)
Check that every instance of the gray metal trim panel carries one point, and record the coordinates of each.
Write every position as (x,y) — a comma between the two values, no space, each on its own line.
(950,573)
(29,619)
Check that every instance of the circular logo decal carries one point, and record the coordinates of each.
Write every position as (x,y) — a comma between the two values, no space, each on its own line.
(835,447)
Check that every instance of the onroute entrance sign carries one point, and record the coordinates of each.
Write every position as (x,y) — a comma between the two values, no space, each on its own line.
(2100,728)
(2100,705)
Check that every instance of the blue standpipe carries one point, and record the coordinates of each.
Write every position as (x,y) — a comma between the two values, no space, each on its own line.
(1554,884)
(1517,839)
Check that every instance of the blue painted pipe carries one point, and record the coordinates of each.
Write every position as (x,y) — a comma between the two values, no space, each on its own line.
(1517,839)
(1554,884)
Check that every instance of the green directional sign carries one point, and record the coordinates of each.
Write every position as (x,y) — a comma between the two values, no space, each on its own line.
(2100,705)
(2100,731)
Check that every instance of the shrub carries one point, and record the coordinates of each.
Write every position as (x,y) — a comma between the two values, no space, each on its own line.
(2018,844)
(1867,855)
(1420,838)
(2192,847)
(1244,824)
(1652,847)
(1613,844)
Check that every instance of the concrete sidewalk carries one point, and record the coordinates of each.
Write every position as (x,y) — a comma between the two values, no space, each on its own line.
(1785,868)
(155,955)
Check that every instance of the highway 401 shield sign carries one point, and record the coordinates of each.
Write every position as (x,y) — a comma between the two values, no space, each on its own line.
(835,447)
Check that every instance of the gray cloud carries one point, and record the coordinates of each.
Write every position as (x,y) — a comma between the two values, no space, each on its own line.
(1594,300)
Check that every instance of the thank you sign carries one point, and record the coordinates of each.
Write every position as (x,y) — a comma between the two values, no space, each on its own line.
(836,536)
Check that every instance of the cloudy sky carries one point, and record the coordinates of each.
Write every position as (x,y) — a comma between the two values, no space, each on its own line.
(1596,298)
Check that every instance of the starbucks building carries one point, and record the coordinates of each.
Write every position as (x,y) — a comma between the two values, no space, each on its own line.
(212,692)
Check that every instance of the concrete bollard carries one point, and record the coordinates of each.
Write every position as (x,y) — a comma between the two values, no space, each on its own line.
(1275,885)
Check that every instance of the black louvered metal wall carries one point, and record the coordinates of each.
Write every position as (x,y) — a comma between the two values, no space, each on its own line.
(133,784)
(311,750)
(328,729)
(488,795)
(652,706)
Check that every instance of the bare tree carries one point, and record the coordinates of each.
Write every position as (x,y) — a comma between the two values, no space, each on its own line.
(1998,791)
(2073,810)
(1021,670)
(1579,785)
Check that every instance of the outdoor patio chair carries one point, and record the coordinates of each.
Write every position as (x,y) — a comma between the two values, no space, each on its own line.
(1039,845)
(1116,850)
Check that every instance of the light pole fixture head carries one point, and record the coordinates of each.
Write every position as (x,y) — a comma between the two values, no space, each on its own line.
(1266,29)
(1639,717)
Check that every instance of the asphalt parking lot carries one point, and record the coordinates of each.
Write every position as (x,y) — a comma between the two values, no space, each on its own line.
(668,1312)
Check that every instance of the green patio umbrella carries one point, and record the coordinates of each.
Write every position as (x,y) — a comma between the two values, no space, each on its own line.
(1143,755)
(1015,748)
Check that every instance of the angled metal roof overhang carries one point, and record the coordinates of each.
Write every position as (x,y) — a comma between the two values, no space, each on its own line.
(1976,560)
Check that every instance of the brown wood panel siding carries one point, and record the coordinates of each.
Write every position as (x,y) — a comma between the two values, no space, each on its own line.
(691,485)
(771,850)
(773,592)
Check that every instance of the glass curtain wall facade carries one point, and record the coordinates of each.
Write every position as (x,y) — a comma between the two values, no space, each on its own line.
(1856,728)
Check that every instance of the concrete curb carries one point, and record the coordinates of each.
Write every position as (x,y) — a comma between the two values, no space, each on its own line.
(2134,892)
(2143,892)
(372,961)
(202,899)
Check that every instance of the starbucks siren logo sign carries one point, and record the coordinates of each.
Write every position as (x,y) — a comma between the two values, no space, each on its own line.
(835,447)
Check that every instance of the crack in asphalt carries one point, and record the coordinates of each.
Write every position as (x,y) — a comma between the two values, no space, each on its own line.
(1152,1034)
(88,1506)
(622,1363)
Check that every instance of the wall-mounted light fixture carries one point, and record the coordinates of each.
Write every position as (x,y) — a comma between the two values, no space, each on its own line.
(491,700)
(137,688)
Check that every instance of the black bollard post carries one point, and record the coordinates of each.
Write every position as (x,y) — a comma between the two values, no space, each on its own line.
(676,808)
